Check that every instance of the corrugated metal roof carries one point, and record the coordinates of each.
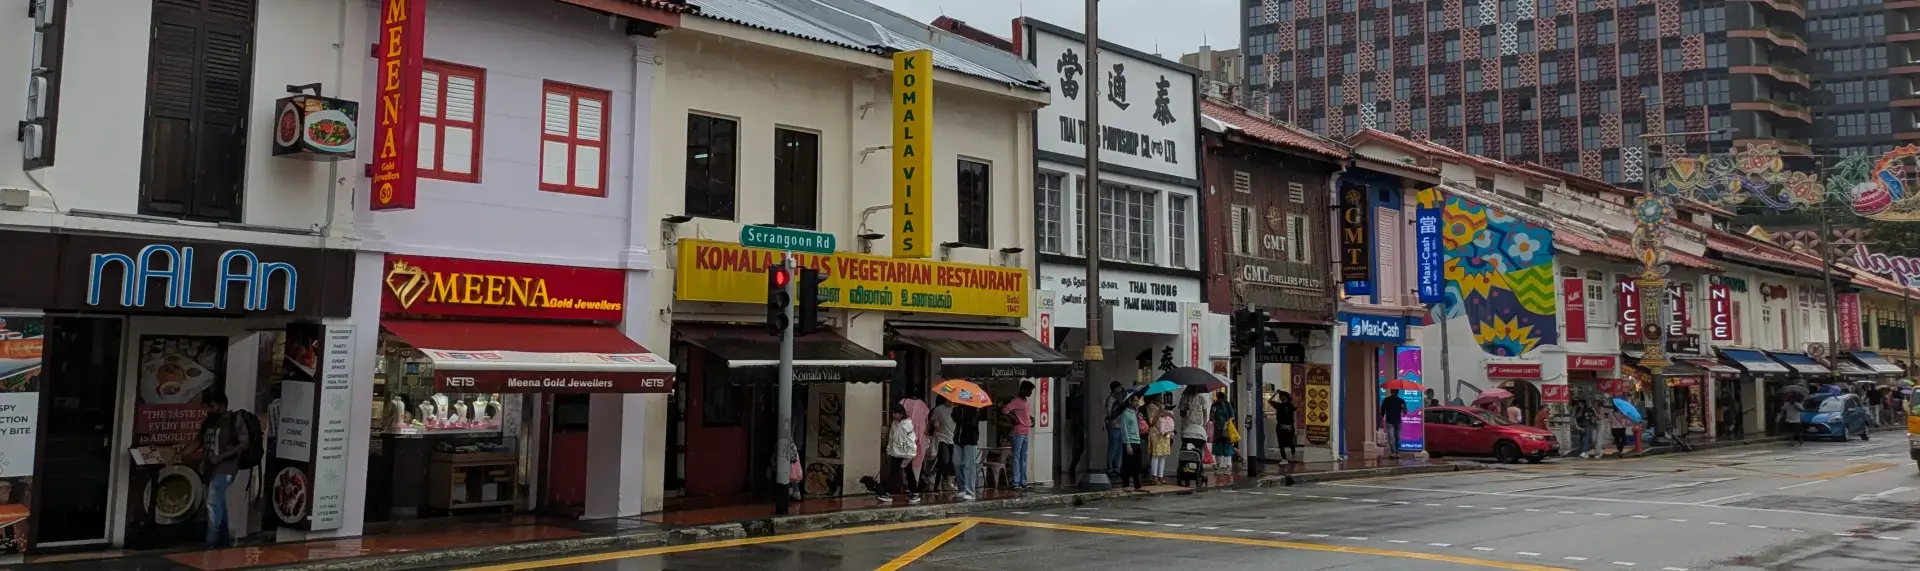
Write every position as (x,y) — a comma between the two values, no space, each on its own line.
(858,25)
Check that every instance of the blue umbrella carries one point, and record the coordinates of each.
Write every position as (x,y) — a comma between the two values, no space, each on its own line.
(1626,408)
(1158,387)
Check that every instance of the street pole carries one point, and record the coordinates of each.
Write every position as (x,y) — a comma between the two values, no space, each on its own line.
(780,502)
(1826,274)
(1090,196)
(1652,285)
(1446,364)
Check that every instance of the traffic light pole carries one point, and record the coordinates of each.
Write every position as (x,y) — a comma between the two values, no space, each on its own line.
(780,503)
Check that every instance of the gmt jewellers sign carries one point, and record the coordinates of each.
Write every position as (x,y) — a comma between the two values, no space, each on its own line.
(1147,108)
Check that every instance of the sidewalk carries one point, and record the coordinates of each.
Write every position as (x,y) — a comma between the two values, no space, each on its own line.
(440,543)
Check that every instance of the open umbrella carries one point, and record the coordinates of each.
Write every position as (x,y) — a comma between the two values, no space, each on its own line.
(1157,387)
(1794,389)
(1627,409)
(1401,385)
(963,393)
(1491,395)
(1190,377)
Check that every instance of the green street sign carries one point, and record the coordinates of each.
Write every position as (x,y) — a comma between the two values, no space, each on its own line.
(787,239)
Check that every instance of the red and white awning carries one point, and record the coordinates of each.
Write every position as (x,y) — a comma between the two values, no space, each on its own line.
(534,358)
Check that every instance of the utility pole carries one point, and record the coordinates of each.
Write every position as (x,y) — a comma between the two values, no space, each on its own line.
(1090,194)
(1652,284)
(1826,276)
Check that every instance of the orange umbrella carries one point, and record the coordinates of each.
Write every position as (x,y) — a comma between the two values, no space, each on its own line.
(963,393)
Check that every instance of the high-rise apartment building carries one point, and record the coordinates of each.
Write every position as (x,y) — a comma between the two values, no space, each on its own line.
(1575,84)
(1220,70)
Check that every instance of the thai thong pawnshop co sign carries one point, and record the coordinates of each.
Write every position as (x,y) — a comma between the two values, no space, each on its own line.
(1147,105)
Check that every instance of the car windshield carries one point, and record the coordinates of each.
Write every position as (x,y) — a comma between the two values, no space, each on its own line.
(1825,403)
(1490,418)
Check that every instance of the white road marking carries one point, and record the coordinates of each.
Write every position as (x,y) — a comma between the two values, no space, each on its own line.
(1723,498)
(1085,517)
(1800,484)
(1251,531)
(1881,495)
(1526,553)
(1562,511)
(1572,558)
(1528,509)
(1633,516)
(1889,538)
(1492,508)
(1708,523)
(1751,526)
(1025,513)
(1673,569)
(1338,497)
(1628,501)
(1178,524)
(1058,515)
(1356,538)
(1622,563)
(1282,532)
(1214,528)
(1694,484)
(1395,540)
(1461,507)
(1673,520)
(1595,513)
(1111,519)
(1483,549)
(1428,505)
(1441,544)
(1368,501)
(1314,496)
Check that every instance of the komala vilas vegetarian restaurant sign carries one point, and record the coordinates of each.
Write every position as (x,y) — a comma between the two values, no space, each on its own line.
(730,273)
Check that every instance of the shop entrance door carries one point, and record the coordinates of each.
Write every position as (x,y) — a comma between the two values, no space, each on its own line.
(716,422)
(77,426)
(566,454)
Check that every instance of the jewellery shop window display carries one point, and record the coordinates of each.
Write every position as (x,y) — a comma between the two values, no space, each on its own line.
(448,452)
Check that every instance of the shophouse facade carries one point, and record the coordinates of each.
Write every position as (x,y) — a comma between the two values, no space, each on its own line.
(1270,185)
(758,122)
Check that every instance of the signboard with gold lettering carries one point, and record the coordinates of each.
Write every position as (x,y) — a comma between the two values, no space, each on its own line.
(396,124)
(730,273)
(422,285)
(913,154)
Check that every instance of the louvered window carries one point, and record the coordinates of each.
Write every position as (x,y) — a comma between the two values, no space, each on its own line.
(1298,247)
(453,102)
(1389,261)
(1245,234)
(573,139)
(199,71)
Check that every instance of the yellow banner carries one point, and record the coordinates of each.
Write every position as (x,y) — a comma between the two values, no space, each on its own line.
(731,273)
(912,154)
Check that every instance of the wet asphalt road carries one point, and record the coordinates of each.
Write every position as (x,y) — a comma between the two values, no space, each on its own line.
(1843,506)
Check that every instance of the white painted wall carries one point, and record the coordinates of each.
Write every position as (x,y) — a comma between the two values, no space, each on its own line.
(103,100)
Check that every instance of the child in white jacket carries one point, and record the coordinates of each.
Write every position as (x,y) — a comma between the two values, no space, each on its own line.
(903,443)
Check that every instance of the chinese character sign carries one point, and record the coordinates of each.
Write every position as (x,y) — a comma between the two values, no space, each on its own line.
(1720,312)
(1849,317)
(1573,293)
(1426,226)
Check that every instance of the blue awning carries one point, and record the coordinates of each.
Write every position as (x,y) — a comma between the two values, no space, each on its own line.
(1753,362)
(1800,363)
(1878,363)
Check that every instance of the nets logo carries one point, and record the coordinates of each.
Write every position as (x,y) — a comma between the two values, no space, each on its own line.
(460,381)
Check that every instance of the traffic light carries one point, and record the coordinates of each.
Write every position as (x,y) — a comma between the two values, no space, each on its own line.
(1266,333)
(808,298)
(779,298)
(1244,330)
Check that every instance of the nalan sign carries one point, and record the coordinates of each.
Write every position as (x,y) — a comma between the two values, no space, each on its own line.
(396,131)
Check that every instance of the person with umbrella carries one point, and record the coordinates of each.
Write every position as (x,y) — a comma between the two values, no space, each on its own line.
(1196,409)
(1160,439)
(1790,410)
(1617,423)
(1130,437)
(1392,408)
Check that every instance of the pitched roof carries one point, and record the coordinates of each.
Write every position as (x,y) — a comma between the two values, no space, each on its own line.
(1622,248)
(675,6)
(863,26)
(1876,282)
(1268,130)
(1443,152)
(1749,249)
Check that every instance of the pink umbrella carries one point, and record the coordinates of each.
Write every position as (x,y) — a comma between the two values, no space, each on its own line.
(1491,395)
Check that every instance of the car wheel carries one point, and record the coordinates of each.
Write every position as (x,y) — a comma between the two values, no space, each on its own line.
(1536,459)
(1506,452)
(1864,434)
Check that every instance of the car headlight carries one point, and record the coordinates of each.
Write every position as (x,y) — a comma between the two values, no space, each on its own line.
(1539,437)
(1823,418)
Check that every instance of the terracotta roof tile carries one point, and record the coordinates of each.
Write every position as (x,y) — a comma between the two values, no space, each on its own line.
(675,6)
(1622,248)
(1271,131)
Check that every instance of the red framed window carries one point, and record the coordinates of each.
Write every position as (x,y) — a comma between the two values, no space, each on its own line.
(573,141)
(453,100)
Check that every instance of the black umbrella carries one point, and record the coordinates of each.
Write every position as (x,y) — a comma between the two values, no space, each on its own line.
(1802,389)
(1191,377)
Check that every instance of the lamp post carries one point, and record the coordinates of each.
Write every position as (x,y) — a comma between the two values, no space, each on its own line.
(1648,235)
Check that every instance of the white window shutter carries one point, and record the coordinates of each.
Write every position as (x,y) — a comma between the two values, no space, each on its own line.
(463,101)
(1239,238)
(430,95)
(428,154)
(1388,237)
(588,126)
(556,119)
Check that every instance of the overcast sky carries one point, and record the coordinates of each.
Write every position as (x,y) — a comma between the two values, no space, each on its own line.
(1178,27)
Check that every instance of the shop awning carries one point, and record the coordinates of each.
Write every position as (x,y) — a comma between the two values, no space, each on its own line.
(987,354)
(1878,363)
(1753,362)
(1851,369)
(753,355)
(1800,363)
(1711,366)
(1679,368)
(533,358)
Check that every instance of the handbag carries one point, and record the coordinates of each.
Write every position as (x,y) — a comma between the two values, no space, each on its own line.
(1380,437)
(1233,433)
(794,474)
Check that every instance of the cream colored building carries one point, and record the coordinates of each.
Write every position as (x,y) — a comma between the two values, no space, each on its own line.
(778,112)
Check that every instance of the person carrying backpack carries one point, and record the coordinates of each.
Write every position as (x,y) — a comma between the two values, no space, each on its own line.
(226,441)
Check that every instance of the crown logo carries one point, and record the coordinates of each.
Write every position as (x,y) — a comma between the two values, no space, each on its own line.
(407,282)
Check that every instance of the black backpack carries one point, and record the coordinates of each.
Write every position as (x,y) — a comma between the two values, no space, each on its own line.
(256,447)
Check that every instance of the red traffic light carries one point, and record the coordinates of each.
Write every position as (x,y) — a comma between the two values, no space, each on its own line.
(780,276)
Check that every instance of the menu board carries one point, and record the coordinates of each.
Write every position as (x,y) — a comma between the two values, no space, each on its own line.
(21,346)
(1319,401)
(307,484)
(334,409)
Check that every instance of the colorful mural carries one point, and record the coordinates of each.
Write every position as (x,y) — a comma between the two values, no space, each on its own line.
(1499,272)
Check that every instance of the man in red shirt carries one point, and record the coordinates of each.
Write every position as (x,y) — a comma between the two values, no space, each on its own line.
(1022,416)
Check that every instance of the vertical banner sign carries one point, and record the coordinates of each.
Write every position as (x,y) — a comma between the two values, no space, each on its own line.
(1629,310)
(1412,430)
(1850,334)
(396,131)
(1426,229)
(912,154)
(1650,290)
(1680,317)
(335,409)
(1574,295)
(1319,402)
(1720,312)
(1043,305)
(1356,254)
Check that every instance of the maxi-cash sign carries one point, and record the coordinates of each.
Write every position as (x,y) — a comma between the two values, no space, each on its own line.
(730,273)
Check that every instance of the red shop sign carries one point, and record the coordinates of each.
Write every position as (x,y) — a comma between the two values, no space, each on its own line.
(1556,393)
(1592,362)
(1526,371)
(1629,309)
(548,382)
(1683,381)
(396,124)
(421,285)
(1574,293)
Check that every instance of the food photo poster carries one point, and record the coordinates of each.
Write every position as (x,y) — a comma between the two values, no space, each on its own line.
(290,427)
(21,347)
(174,372)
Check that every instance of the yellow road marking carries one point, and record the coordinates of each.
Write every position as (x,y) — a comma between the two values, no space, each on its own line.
(1279,544)
(929,546)
(1848,471)
(671,549)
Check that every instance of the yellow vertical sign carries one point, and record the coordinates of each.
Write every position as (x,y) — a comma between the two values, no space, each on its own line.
(912,154)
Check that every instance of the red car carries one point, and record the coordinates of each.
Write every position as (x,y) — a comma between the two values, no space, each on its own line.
(1463,431)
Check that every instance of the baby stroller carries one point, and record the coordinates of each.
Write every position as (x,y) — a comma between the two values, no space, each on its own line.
(1190,473)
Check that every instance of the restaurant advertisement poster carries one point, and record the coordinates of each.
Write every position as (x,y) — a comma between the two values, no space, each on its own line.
(21,346)
(1412,427)
(306,480)
(175,371)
